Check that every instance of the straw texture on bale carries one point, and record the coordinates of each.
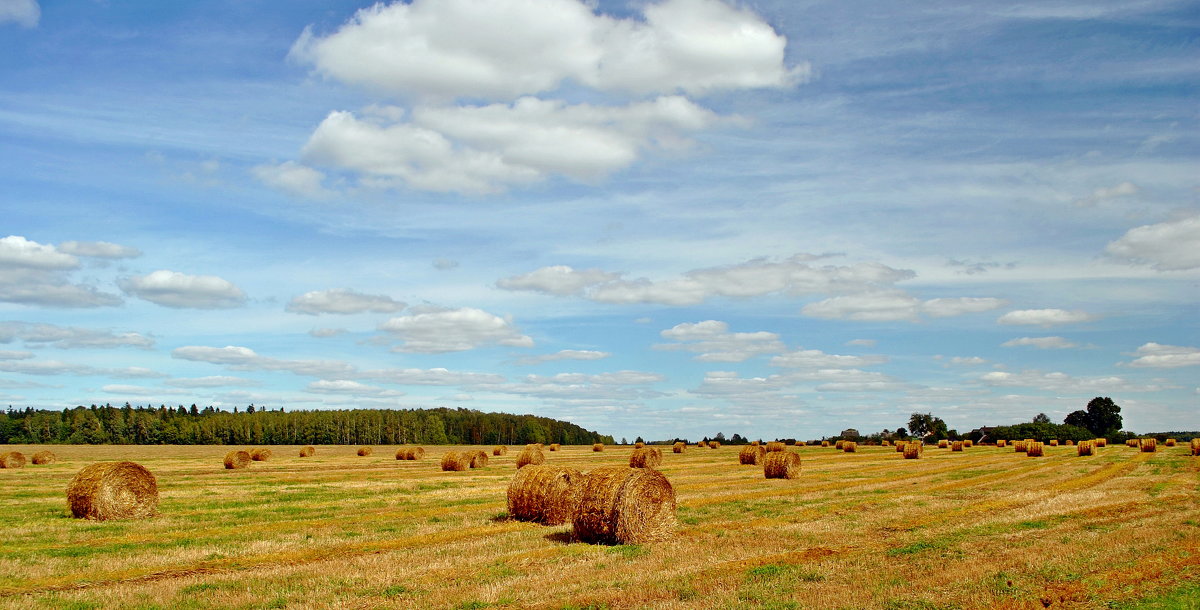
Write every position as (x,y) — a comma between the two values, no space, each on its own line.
(1001,443)
(646,457)
(900,446)
(957,446)
(678,447)
(619,505)
(781,465)
(12,459)
(824,443)
(850,447)
(476,458)
(530,455)
(43,457)
(714,444)
(237,459)
(968,443)
(113,490)
(453,461)
(410,453)
(307,451)
(1070,442)
(1101,442)
(751,454)
(1086,448)
(1170,442)
(598,447)
(776,446)
(1149,445)
(544,494)
(839,444)
(500,450)
(1019,446)
(942,444)
(701,444)
(912,451)
(1053,442)
(1034,449)
(261,454)
(799,443)
(555,446)
(365,451)
(639,445)
(1196,446)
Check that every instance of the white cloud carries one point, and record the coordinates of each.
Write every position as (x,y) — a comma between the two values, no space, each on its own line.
(558,280)
(25,13)
(16,251)
(68,337)
(36,274)
(713,342)
(453,331)
(1166,246)
(98,249)
(351,388)
(947,307)
(1044,317)
(325,333)
(212,381)
(178,290)
(817,359)
(967,361)
(1124,189)
(861,343)
(58,367)
(343,301)
(137,390)
(581,389)
(566,354)
(1062,382)
(15,355)
(1040,342)
(896,305)
(1156,355)
(294,178)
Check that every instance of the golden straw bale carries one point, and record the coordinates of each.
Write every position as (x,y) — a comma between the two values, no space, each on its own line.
(453,461)
(678,447)
(544,494)
(1069,443)
(714,444)
(1149,445)
(476,458)
(619,505)
(1170,442)
(1001,443)
(912,451)
(43,457)
(776,446)
(756,443)
(113,490)
(12,459)
(365,451)
(839,444)
(968,443)
(942,444)
(237,459)
(261,454)
(555,446)
(646,457)
(824,443)
(1034,449)
(900,446)
(799,443)
(1101,442)
(307,451)
(957,446)
(639,445)
(1086,448)
(850,447)
(1020,446)
(530,455)
(702,444)
(411,453)
(781,465)
(751,454)
(598,447)
(500,450)
(1053,442)
(1196,446)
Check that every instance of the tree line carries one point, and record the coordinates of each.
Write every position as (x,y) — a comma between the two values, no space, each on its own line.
(130,425)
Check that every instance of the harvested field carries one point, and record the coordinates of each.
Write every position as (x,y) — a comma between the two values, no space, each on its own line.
(870,530)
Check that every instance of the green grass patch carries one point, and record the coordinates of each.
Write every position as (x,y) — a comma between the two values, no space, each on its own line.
(628,551)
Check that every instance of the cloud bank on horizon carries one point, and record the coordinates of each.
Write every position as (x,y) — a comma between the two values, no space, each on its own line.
(668,218)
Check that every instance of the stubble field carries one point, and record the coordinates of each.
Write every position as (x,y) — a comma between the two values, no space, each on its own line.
(984,528)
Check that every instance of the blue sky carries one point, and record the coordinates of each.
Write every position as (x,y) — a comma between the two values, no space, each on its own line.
(672,218)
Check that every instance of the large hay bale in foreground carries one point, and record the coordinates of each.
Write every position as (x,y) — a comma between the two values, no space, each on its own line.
(476,458)
(751,455)
(500,450)
(776,446)
(597,447)
(530,455)
(237,459)
(410,453)
(1086,448)
(261,454)
(912,451)
(113,490)
(646,457)
(43,457)
(678,447)
(12,459)
(453,461)
(307,451)
(1149,445)
(1034,449)
(365,451)
(781,465)
(544,494)
(619,505)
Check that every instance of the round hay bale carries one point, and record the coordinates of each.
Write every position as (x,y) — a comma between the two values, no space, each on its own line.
(943,444)
(597,447)
(824,443)
(900,446)
(775,446)
(1195,446)
(307,451)
(413,453)
(113,490)
(530,455)
(639,445)
(781,465)
(619,505)
(678,447)
(885,443)
(838,445)
(1070,443)
(799,443)
(544,494)
(237,459)
(1085,448)
(912,451)
(1053,442)
(1034,449)
(701,444)
(1101,442)
(1001,443)
(500,450)
(1170,442)
(850,447)
(555,446)
(714,444)
(365,451)
(756,443)
(968,443)
(957,446)
(260,454)
(1020,446)
(454,461)
(477,458)
(752,454)
(12,459)
(646,457)
(43,457)
(1149,445)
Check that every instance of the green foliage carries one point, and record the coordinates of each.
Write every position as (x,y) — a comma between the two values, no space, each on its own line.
(1042,432)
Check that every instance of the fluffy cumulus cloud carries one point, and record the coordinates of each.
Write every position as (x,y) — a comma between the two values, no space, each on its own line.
(896,305)
(1156,355)
(566,354)
(1062,382)
(68,337)
(558,280)
(712,342)
(99,249)
(1166,246)
(350,388)
(25,13)
(343,301)
(294,178)
(32,273)
(453,330)
(1040,342)
(211,381)
(1044,317)
(817,359)
(179,290)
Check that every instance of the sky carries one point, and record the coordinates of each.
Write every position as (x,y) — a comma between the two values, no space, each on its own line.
(670,218)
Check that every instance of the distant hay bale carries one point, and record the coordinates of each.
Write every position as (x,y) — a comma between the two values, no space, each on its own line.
(900,445)
(500,450)
(776,446)
(598,447)
(1053,442)
(781,465)
(678,447)
(12,459)
(850,447)
(702,444)
(410,453)
(799,443)
(912,451)
(645,457)
(237,459)
(639,445)
(43,457)
(1034,449)
(714,444)
(530,455)
(260,454)
(365,451)
(756,443)
(1020,446)
(957,446)
(555,446)
(942,444)
(968,443)
(307,451)
(751,454)
(544,494)
(1001,443)
(619,505)
(839,444)
(885,443)
(113,490)
(824,443)
(1149,445)
(1070,443)
(1170,442)
(476,458)
(1085,448)
(453,461)
(1196,446)
(1101,442)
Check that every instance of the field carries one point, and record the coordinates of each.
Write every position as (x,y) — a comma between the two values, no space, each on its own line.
(983,528)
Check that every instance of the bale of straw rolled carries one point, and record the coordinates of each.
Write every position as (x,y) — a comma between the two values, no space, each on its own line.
(260,454)
(968,443)
(912,451)
(454,461)
(702,444)
(1170,442)
(714,444)
(838,445)
(365,451)
(1133,442)
(113,490)
(1053,442)
(410,453)
(799,443)
(307,451)
(1020,446)
(555,446)
(1001,443)
(43,457)
(824,443)
(598,447)
(619,505)
(646,457)
(12,459)
(530,455)
(900,446)
(639,445)
(237,459)
(943,444)
(1101,442)
(1070,443)
(756,442)
(544,494)
(751,455)
(1085,448)
(1196,446)
(1034,449)
(776,446)
(781,465)
(885,443)
(678,447)
(850,447)
(956,446)
(500,450)
(1149,445)
(476,458)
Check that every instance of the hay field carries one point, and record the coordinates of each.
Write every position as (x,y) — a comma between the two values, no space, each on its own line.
(983,528)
